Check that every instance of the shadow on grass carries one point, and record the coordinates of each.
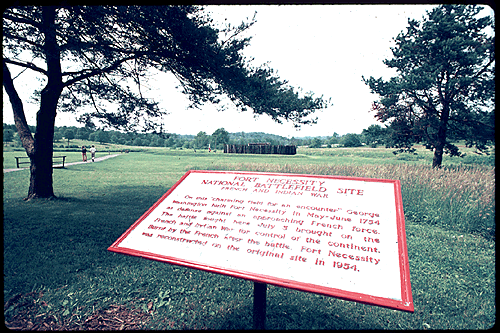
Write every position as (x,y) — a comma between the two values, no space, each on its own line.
(288,316)
(47,241)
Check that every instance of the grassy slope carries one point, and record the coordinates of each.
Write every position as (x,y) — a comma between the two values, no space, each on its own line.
(58,248)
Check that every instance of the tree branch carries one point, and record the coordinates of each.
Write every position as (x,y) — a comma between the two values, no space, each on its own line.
(92,98)
(97,71)
(18,110)
(17,17)
(28,65)
(484,68)
(240,29)
(22,39)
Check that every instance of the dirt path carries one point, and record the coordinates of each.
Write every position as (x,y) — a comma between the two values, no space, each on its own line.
(97,159)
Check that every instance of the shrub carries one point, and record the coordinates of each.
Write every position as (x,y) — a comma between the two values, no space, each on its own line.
(351,140)
(315,143)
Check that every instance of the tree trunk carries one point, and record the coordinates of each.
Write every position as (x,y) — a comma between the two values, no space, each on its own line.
(41,183)
(438,156)
(41,175)
(441,137)
(41,161)
(40,148)
(37,149)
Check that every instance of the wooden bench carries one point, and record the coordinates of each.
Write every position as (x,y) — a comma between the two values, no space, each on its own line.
(19,160)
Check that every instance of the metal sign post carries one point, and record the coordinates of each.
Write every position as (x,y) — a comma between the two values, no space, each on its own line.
(259,305)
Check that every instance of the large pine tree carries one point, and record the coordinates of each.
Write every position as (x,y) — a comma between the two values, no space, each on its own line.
(88,54)
(444,85)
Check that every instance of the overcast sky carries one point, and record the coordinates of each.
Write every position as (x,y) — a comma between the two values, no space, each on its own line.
(324,49)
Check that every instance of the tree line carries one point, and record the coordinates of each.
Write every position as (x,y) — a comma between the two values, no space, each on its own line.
(374,135)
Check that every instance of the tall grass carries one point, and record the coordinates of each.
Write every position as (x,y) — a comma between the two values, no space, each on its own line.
(460,198)
(382,155)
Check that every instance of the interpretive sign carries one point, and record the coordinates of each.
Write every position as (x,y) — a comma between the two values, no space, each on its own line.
(336,236)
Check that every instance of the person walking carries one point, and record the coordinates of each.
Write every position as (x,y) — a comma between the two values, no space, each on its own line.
(84,153)
(92,152)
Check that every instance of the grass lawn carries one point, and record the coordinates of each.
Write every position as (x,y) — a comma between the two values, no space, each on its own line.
(58,273)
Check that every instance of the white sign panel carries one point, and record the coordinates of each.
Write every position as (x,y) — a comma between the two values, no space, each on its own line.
(337,236)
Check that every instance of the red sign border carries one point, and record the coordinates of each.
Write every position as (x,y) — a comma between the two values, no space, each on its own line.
(406,303)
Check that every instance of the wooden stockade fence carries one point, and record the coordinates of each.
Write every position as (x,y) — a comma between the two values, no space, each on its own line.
(261,148)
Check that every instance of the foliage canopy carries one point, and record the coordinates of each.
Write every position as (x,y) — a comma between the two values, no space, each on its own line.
(99,56)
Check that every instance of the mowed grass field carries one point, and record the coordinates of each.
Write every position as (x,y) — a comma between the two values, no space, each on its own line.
(58,273)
